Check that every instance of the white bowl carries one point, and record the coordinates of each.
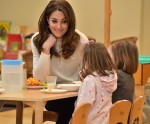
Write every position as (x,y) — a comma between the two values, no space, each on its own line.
(69,87)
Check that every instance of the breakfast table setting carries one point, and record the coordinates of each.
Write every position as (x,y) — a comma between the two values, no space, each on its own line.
(15,86)
(37,98)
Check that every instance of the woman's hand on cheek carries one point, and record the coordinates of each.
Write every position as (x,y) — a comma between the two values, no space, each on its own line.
(48,44)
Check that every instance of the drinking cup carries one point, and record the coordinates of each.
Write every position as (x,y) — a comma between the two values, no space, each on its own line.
(24,78)
(51,82)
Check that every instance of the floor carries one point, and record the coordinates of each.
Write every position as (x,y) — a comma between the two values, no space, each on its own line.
(8,117)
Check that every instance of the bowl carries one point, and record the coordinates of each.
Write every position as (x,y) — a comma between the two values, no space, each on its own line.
(69,87)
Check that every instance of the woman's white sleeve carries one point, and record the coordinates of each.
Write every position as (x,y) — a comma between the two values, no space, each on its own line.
(41,64)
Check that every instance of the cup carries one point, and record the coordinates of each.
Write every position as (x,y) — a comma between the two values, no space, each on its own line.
(24,78)
(51,82)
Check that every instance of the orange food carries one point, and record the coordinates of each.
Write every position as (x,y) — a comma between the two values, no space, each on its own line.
(32,82)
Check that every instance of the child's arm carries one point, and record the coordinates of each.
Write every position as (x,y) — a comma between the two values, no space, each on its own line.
(87,92)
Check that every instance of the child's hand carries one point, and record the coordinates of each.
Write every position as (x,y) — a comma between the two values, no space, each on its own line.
(51,40)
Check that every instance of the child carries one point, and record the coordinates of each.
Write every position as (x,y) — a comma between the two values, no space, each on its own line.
(125,55)
(99,81)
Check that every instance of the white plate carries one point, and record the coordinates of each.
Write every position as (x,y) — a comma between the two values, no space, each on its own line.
(53,91)
(69,87)
(71,82)
(2,90)
(36,87)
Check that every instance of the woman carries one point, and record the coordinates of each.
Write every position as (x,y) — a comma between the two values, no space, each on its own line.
(58,50)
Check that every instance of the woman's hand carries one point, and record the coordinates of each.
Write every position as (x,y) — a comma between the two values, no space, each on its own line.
(48,44)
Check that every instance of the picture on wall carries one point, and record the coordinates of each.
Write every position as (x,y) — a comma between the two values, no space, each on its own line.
(4,30)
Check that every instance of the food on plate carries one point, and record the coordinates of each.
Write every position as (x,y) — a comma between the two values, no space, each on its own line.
(34,82)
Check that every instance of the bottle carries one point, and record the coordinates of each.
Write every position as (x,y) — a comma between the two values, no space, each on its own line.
(12,75)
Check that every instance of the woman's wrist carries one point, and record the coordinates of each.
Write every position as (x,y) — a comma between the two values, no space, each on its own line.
(46,51)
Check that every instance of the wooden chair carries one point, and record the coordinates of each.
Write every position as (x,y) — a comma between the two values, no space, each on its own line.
(28,59)
(130,38)
(119,112)
(80,114)
(136,110)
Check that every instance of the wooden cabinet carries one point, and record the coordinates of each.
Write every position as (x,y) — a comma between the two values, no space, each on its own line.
(142,74)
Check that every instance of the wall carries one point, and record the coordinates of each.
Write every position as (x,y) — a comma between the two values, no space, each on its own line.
(125,19)
(90,17)
(21,12)
(145,26)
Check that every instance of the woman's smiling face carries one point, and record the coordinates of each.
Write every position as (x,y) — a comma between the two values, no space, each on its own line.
(58,24)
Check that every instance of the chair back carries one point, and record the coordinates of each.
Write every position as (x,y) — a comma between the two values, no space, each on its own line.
(136,110)
(130,38)
(28,59)
(119,112)
(80,115)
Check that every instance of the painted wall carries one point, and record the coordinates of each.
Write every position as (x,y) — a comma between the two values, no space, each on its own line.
(21,12)
(125,20)
(145,28)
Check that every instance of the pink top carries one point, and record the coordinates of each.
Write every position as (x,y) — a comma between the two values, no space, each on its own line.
(97,90)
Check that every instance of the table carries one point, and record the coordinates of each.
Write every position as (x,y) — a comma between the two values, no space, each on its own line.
(35,99)
(141,77)
(142,74)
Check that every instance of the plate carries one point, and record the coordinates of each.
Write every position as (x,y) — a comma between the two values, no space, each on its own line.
(2,90)
(36,87)
(70,82)
(69,87)
(53,91)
